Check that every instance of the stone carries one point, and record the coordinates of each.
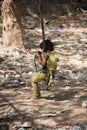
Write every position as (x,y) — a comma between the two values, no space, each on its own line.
(84,104)
(27,124)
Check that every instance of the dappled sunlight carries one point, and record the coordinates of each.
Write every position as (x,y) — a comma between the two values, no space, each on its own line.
(63,104)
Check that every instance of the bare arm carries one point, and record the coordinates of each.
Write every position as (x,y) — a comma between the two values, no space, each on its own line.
(42,60)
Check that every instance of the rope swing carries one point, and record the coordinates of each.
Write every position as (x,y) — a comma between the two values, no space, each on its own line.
(41,17)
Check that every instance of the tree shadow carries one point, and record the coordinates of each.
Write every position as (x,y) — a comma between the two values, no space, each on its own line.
(1,60)
(70,49)
(30,44)
(4,126)
(21,116)
(6,121)
(65,95)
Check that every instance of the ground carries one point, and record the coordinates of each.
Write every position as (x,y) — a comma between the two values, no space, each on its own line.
(64,104)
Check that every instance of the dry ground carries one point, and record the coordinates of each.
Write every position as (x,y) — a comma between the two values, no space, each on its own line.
(61,106)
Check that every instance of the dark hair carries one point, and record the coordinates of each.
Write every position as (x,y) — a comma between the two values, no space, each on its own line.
(47,45)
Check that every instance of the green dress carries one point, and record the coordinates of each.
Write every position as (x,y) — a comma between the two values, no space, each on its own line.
(46,74)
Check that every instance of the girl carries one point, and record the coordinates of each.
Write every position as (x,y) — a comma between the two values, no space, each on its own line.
(49,64)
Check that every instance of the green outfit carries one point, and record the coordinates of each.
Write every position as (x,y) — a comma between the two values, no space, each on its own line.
(46,74)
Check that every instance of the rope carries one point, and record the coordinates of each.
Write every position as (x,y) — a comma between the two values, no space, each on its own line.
(42,23)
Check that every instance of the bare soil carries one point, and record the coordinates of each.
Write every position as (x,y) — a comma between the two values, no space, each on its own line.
(61,105)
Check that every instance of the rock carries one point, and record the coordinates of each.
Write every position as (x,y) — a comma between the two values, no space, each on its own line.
(68,88)
(84,104)
(27,124)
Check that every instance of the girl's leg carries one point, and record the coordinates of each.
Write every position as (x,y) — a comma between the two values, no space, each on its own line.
(37,77)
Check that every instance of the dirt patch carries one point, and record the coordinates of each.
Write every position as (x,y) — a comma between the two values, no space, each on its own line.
(63,105)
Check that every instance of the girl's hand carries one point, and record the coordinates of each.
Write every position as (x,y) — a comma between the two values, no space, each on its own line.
(36,57)
(40,58)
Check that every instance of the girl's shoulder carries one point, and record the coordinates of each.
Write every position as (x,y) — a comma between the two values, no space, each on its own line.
(47,54)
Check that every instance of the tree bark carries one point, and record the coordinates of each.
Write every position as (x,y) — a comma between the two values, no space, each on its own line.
(12,32)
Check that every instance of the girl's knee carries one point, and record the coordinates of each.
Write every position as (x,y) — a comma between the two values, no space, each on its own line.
(34,78)
(38,77)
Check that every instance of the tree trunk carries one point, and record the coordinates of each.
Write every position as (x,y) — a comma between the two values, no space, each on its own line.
(12,32)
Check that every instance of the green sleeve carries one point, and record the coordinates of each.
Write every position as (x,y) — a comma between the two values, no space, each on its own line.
(46,55)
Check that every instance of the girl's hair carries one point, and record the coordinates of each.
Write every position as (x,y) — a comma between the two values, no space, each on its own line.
(47,45)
